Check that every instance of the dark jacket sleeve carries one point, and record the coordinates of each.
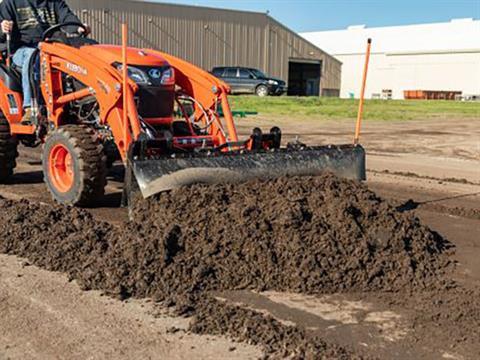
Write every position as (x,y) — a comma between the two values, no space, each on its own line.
(7,12)
(64,13)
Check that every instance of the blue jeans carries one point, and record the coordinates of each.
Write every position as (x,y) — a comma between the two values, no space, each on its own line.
(22,58)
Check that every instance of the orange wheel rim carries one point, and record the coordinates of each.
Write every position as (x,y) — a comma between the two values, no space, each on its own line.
(61,168)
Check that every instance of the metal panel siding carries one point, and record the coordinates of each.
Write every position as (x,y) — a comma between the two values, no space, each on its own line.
(206,37)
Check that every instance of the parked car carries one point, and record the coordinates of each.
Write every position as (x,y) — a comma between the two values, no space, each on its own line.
(249,81)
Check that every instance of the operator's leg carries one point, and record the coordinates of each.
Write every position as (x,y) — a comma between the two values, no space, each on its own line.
(22,58)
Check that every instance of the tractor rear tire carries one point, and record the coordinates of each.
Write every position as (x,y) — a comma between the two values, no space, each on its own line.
(75,165)
(8,150)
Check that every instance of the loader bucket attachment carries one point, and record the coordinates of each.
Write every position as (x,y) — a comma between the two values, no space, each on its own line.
(162,174)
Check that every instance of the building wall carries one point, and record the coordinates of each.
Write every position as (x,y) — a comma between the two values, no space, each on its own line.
(206,37)
(399,72)
(436,56)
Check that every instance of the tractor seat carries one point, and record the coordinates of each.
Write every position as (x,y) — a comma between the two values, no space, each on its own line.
(11,77)
(16,69)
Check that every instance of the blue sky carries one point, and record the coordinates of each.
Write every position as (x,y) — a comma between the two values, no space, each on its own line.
(311,15)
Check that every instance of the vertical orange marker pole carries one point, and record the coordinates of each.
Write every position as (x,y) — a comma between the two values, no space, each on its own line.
(125,83)
(362,95)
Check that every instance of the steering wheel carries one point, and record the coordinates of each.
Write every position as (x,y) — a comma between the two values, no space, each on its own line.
(52,30)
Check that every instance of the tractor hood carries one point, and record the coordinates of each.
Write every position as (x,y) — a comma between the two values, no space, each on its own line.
(113,54)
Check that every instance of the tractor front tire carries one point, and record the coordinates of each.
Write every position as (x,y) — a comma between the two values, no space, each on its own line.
(8,150)
(75,165)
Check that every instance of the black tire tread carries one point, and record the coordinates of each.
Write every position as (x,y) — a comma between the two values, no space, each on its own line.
(92,162)
(8,150)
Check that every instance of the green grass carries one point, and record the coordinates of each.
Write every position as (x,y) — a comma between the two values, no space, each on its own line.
(334,108)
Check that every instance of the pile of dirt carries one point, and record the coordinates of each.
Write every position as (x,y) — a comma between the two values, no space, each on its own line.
(307,235)
(54,237)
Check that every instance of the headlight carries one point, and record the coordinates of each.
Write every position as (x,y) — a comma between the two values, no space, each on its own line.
(273,82)
(163,75)
(168,77)
(144,75)
(135,74)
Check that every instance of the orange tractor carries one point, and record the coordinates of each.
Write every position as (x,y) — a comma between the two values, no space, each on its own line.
(157,113)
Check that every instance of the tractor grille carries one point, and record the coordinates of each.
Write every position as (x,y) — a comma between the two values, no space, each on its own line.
(155,101)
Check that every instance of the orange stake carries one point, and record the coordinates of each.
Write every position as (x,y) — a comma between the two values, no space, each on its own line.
(362,95)
(125,82)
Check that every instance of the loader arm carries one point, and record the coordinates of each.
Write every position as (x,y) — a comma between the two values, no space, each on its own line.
(101,81)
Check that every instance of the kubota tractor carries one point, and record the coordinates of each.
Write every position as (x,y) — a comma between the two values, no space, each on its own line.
(157,113)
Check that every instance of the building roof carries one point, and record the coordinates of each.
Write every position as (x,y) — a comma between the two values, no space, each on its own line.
(456,35)
(195,6)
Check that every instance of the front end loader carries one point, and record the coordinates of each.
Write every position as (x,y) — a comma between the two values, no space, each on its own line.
(156,113)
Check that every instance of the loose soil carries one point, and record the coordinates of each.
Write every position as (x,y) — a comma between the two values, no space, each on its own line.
(316,235)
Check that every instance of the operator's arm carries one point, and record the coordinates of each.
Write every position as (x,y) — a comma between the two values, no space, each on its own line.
(64,13)
(7,14)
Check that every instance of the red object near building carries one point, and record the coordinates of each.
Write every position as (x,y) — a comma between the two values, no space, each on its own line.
(431,95)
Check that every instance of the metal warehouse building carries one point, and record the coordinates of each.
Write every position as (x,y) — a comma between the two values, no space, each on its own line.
(211,37)
(422,58)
